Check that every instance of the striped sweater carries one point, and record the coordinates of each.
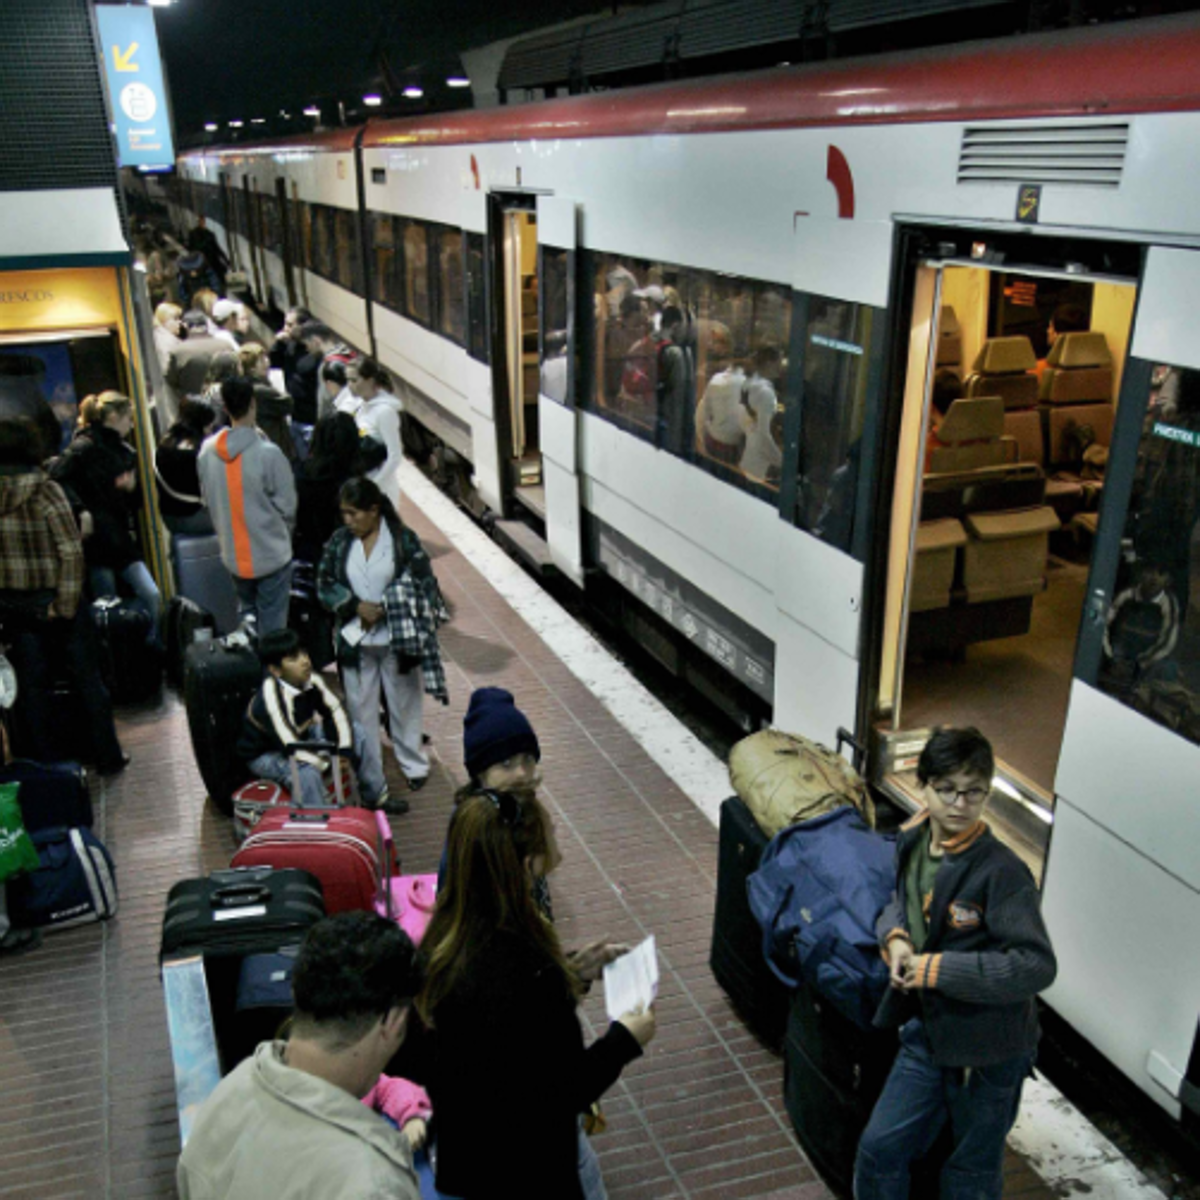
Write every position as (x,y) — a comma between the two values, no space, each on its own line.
(987,954)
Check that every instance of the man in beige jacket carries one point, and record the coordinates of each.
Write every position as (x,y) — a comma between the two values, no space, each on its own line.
(289,1122)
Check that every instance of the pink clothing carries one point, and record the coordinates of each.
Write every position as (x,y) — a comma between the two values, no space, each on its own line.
(399,1099)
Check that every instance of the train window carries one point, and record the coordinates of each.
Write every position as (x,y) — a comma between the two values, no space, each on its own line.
(384,289)
(555,332)
(322,241)
(1151,650)
(707,387)
(451,300)
(416,271)
(272,232)
(348,263)
(477,322)
(836,359)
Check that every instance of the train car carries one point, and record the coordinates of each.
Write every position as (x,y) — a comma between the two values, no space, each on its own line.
(287,215)
(700,330)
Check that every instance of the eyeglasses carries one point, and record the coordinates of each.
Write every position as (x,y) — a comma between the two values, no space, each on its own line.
(948,794)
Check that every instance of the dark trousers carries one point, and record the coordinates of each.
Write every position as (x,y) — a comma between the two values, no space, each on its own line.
(43,650)
(917,1100)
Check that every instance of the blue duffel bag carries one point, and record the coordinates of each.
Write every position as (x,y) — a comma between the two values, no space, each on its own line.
(76,882)
(817,893)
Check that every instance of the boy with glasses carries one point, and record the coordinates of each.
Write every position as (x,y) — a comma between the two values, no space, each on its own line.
(968,952)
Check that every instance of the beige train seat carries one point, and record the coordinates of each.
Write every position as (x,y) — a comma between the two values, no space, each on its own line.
(1005,555)
(949,343)
(1069,427)
(1078,370)
(1004,367)
(973,435)
(1024,426)
(938,543)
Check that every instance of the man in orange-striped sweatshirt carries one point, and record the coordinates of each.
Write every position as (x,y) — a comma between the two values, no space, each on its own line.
(249,489)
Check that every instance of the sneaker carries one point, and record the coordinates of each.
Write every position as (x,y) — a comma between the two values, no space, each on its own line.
(415,785)
(394,806)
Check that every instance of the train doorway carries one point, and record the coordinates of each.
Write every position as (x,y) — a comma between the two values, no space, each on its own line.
(1008,410)
(517,379)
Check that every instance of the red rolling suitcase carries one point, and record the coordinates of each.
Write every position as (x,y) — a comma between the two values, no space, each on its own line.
(342,847)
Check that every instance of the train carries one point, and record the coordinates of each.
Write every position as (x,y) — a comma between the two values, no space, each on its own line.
(694,336)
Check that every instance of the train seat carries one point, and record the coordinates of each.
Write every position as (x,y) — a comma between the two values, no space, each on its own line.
(1072,429)
(1024,426)
(1005,555)
(972,433)
(1078,370)
(938,543)
(1004,367)
(949,342)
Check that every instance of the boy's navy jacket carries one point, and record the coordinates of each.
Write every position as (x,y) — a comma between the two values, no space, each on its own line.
(987,954)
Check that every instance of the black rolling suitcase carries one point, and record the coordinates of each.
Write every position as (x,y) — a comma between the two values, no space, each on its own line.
(737,958)
(51,794)
(132,670)
(218,684)
(833,1073)
(231,918)
(185,623)
(306,615)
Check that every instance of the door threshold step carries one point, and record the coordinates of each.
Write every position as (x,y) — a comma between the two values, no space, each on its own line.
(519,540)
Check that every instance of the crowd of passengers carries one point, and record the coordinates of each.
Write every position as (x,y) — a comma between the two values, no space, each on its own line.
(687,380)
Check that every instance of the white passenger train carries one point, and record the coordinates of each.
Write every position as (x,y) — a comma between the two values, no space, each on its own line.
(698,329)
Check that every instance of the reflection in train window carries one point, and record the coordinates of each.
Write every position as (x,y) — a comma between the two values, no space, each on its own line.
(555,331)
(450,285)
(707,387)
(384,289)
(477,322)
(1152,637)
(272,235)
(836,361)
(348,263)
(416,272)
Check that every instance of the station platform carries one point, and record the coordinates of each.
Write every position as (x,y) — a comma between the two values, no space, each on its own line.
(85,1068)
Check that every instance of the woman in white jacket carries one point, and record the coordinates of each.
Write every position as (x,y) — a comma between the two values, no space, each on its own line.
(378,416)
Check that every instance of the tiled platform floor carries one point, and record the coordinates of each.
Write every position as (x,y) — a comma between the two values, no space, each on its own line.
(85,1074)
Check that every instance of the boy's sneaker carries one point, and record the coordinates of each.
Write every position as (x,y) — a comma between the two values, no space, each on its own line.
(394,806)
(415,785)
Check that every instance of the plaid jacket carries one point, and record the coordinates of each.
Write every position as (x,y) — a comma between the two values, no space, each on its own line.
(412,604)
(40,547)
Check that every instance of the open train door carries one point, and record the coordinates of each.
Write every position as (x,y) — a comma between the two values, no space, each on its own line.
(557,414)
(1122,883)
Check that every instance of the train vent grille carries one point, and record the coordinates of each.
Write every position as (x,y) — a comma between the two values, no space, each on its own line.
(1091,155)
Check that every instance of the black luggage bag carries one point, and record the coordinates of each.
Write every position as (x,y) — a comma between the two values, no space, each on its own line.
(131,669)
(230,917)
(184,624)
(309,618)
(736,958)
(218,684)
(833,1073)
(51,794)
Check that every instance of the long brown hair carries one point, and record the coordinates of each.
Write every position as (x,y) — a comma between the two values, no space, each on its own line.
(488,888)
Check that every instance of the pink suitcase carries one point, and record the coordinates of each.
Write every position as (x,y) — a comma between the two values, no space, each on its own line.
(411,898)
(342,847)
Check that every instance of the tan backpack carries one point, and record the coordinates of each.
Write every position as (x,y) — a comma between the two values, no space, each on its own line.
(784,778)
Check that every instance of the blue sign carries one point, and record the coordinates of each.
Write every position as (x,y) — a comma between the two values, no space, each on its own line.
(129,43)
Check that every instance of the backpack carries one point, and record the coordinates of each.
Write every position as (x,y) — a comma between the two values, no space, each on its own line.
(783,778)
(75,883)
(818,891)
(639,377)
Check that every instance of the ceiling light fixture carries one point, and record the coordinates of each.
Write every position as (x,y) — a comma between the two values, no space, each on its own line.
(414,92)
(312,111)
(373,100)
(458,81)
(236,124)
(211,127)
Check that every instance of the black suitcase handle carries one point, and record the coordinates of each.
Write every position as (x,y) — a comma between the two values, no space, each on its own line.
(240,895)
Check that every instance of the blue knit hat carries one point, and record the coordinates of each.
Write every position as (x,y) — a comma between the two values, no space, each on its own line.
(495,729)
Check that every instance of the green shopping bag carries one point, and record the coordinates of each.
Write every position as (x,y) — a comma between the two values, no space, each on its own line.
(17,851)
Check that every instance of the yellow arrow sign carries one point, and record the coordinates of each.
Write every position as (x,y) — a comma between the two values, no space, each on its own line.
(122,61)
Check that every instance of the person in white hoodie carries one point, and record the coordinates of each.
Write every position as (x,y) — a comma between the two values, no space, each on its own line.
(378,416)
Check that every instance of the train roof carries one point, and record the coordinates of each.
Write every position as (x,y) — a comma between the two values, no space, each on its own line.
(1139,66)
